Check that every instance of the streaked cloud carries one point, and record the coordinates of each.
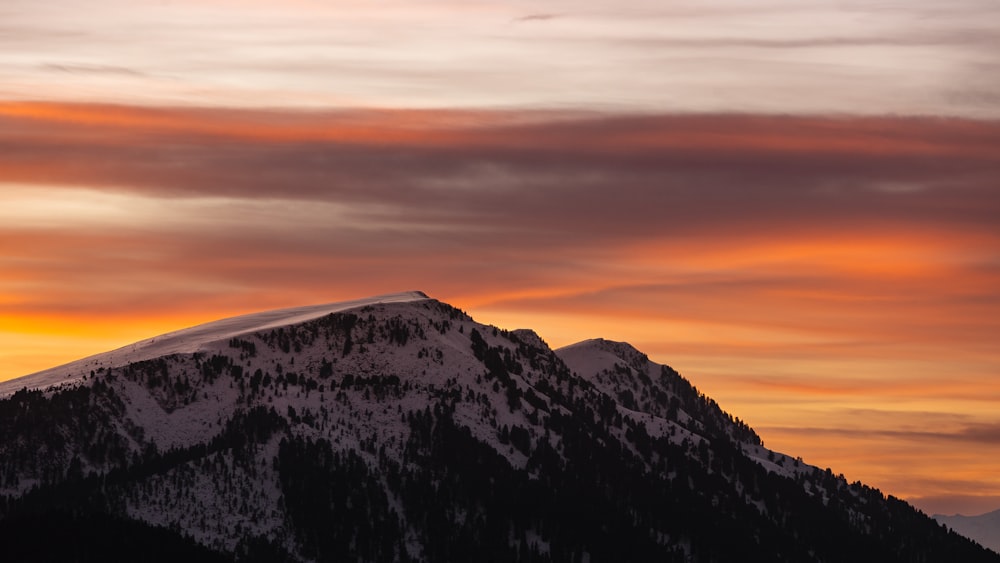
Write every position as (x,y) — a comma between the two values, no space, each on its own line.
(757,251)
(945,470)
(536,17)
(792,202)
(89,69)
(979,433)
(784,56)
(869,200)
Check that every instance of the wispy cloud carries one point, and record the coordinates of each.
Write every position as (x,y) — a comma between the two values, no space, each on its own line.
(694,193)
(809,217)
(694,169)
(73,68)
(988,434)
(539,17)
(793,260)
(769,57)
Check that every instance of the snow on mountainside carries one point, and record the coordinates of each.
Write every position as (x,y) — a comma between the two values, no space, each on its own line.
(657,391)
(397,428)
(984,528)
(190,340)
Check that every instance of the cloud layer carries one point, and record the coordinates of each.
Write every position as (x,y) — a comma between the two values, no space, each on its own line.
(794,202)
(832,273)
(787,56)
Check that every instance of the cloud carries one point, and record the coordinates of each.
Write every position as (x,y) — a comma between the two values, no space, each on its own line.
(91,69)
(981,433)
(786,264)
(984,434)
(773,57)
(669,173)
(965,37)
(536,17)
(752,204)
(763,252)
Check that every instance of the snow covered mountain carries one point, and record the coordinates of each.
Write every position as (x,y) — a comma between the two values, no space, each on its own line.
(984,528)
(194,339)
(397,428)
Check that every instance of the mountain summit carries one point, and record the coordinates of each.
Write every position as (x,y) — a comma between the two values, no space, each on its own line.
(397,428)
(193,339)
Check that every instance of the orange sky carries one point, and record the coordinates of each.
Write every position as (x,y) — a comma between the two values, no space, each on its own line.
(830,280)
(794,203)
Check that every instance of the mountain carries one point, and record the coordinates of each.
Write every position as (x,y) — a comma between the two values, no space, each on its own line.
(984,528)
(397,428)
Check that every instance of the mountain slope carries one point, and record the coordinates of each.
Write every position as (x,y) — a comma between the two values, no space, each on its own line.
(984,528)
(192,339)
(399,429)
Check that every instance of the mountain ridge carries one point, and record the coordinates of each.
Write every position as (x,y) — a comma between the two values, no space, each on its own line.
(190,338)
(464,441)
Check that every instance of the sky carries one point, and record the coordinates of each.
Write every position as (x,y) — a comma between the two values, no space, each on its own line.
(794,203)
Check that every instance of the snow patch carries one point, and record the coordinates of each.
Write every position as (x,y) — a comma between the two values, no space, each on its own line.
(193,339)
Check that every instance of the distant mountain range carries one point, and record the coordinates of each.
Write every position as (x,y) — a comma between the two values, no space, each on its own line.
(398,429)
(984,528)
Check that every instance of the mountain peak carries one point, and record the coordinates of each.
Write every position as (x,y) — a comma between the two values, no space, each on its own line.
(240,435)
(530,337)
(604,351)
(192,339)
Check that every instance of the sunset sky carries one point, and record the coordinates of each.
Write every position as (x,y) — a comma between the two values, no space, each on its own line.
(794,203)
